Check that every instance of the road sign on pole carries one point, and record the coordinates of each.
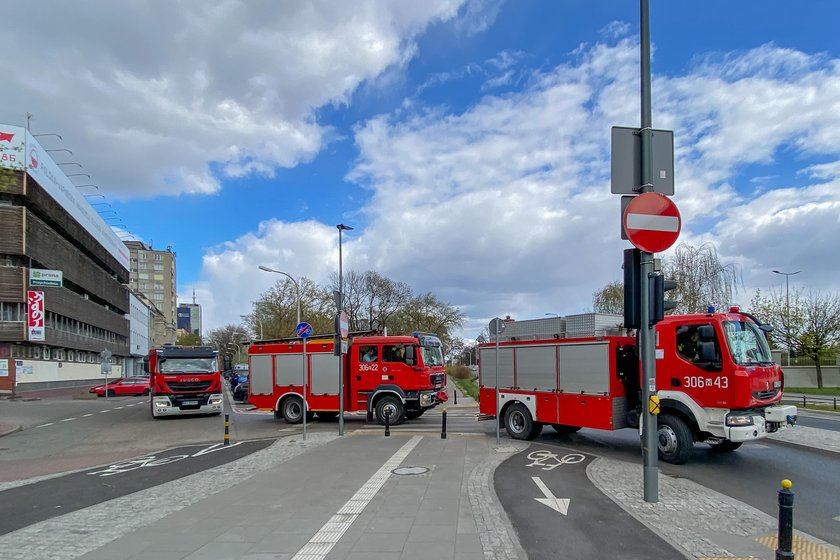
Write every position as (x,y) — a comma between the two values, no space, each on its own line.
(303,330)
(626,158)
(652,222)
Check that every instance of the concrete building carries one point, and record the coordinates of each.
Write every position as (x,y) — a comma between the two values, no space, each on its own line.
(153,275)
(140,323)
(189,318)
(62,274)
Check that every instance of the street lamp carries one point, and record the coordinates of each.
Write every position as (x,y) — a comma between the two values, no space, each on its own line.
(787,276)
(295,282)
(340,306)
(303,374)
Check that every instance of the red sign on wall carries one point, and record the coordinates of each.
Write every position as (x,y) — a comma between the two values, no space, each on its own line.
(36,314)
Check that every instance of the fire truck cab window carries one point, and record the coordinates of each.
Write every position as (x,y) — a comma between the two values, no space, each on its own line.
(690,342)
(367,353)
(394,353)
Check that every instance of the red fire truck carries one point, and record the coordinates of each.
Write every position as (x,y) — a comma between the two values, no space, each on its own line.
(715,379)
(401,376)
(184,380)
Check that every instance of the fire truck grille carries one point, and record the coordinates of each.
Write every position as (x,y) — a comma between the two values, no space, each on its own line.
(436,379)
(764,395)
(189,385)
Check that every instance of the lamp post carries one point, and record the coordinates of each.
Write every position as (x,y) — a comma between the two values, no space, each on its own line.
(340,306)
(295,282)
(787,276)
(303,372)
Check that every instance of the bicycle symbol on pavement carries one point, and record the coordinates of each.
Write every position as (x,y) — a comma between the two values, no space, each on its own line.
(549,461)
(153,461)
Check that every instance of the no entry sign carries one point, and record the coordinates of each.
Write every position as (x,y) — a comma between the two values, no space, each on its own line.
(652,222)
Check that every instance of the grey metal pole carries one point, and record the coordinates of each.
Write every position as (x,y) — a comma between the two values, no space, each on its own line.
(340,356)
(498,415)
(647,342)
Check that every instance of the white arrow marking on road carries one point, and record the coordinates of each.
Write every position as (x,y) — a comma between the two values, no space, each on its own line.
(215,447)
(560,505)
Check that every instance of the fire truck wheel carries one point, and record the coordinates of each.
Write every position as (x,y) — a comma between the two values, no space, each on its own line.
(725,446)
(564,429)
(292,410)
(519,424)
(675,440)
(414,414)
(394,407)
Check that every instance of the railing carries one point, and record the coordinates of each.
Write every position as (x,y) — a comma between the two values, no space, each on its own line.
(813,400)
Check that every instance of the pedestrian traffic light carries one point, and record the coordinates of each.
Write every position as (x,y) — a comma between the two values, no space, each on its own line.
(632,289)
(658,304)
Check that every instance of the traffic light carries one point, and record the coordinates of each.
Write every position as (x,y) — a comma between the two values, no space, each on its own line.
(658,304)
(632,288)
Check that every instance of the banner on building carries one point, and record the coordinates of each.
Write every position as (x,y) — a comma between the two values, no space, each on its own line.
(36,314)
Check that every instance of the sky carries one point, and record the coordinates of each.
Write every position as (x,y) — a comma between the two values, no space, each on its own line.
(467,142)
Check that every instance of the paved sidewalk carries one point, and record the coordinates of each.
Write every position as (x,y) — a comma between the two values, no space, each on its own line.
(8,428)
(332,498)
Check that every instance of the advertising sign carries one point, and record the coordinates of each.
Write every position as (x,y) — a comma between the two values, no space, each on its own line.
(41,167)
(42,277)
(36,314)
(12,147)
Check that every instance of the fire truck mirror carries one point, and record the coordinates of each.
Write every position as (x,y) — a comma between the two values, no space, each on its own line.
(146,364)
(409,355)
(226,362)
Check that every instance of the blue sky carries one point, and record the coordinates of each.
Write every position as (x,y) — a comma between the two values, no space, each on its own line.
(466,141)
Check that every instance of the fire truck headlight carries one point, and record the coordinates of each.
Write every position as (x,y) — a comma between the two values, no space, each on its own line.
(216,399)
(162,402)
(425,399)
(739,420)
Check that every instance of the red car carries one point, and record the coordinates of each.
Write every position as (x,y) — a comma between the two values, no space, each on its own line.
(124,386)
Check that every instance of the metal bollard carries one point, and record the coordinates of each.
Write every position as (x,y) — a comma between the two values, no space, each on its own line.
(455,392)
(804,401)
(785,548)
(227,429)
(388,424)
(443,424)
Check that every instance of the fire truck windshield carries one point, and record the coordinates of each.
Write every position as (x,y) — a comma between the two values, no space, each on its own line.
(432,356)
(187,365)
(747,343)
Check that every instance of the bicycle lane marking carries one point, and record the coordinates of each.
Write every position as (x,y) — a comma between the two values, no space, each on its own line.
(546,476)
(22,506)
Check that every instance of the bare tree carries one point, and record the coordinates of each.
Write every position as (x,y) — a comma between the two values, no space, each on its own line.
(609,299)
(228,341)
(702,280)
(276,309)
(809,325)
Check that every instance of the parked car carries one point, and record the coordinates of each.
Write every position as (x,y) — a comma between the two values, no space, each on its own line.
(240,392)
(123,386)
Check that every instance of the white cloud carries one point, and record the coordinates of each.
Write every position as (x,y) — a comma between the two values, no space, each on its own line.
(148,98)
(505,207)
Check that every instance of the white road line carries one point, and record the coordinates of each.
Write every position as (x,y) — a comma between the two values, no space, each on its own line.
(118,408)
(324,540)
(86,415)
(836,518)
(104,411)
(68,419)
(45,425)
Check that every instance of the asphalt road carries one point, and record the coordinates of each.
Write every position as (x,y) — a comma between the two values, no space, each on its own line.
(751,474)
(24,505)
(583,524)
(821,420)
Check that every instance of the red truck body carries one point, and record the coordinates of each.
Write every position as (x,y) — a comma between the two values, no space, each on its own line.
(405,378)
(714,377)
(184,380)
